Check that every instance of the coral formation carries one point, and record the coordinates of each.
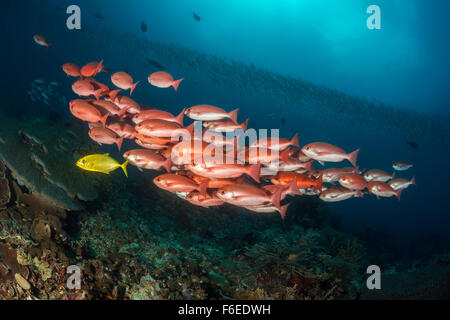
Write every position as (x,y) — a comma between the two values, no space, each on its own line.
(40,156)
(131,248)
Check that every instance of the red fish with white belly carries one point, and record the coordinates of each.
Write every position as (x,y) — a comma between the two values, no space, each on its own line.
(123,81)
(206,112)
(105,136)
(178,183)
(158,114)
(335,194)
(248,195)
(382,189)
(122,129)
(162,79)
(87,112)
(325,152)
(352,181)
(147,159)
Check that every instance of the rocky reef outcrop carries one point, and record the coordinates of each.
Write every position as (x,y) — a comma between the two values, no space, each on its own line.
(139,242)
(40,155)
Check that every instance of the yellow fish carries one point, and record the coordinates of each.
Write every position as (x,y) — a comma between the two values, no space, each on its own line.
(101,163)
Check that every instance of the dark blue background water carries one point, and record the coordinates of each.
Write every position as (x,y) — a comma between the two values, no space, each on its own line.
(326,42)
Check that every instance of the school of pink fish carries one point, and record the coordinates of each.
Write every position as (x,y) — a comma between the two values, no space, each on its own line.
(210,169)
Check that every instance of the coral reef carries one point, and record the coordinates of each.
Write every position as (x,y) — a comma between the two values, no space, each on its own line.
(141,245)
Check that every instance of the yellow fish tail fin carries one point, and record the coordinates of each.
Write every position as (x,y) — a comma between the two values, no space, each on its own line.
(124,168)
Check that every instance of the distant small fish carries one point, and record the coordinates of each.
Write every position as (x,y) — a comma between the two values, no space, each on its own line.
(382,189)
(400,183)
(101,163)
(196,16)
(40,40)
(39,81)
(143,26)
(378,175)
(98,16)
(155,64)
(413,144)
(402,166)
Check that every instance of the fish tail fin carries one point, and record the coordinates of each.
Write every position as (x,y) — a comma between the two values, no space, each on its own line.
(352,157)
(284,155)
(124,167)
(133,87)
(99,67)
(123,112)
(283,210)
(202,188)
(413,181)
(319,182)
(293,189)
(233,115)
(168,164)
(119,142)
(176,83)
(254,171)
(98,93)
(275,198)
(398,193)
(244,125)
(359,194)
(103,119)
(179,118)
(190,128)
(294,141)
(113,94)
(309,165)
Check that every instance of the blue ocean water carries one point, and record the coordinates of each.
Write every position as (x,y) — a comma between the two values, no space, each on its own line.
(404,65)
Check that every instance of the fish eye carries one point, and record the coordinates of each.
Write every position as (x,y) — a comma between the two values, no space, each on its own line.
(194,163)
(157,179)
(188,110)
(222,192)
